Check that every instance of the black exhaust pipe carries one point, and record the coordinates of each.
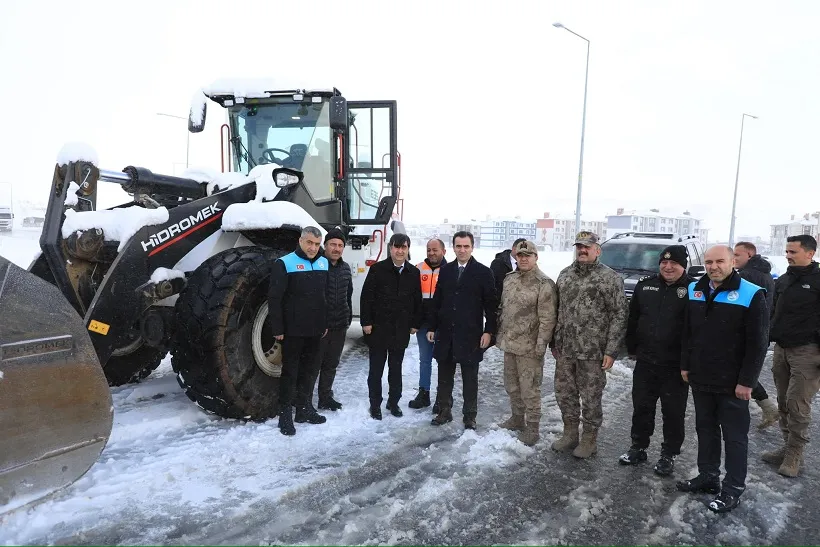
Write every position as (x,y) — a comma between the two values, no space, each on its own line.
(143,181)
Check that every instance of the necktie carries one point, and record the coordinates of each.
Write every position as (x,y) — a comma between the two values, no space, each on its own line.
(460,271)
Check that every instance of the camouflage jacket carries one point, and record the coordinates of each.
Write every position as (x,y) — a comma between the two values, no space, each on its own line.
(527,313)
(592,312)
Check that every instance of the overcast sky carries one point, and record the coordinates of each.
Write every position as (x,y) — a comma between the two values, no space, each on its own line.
(489,95)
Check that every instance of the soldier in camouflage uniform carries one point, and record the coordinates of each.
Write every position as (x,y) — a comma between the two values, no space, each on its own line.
(592,317)
(526,322)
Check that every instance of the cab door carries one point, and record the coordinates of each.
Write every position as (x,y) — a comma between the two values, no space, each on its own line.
(372,162)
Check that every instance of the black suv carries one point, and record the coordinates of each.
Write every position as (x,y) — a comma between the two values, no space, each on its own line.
(635,255)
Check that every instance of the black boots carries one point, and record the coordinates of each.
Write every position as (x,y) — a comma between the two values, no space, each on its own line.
(375,413)
(306,413)
(634,455)
(422,400)
(724,502)
(701,483)
(443,417)
(665,465)
(329,403)
(394,409)
(286,420)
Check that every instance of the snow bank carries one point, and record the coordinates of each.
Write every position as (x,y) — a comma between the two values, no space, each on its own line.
(164,274)
(77,151)
(117,224)
(273,214)
(71,195)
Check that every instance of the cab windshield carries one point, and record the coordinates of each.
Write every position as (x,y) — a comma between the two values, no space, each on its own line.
(288,133)
(631,256)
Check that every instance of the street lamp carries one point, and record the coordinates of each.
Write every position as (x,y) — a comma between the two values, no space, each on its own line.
(187,135)
(583,127)
(737,175)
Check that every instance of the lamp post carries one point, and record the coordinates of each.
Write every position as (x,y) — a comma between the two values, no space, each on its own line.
(737,176)
(583,128)
(187,135)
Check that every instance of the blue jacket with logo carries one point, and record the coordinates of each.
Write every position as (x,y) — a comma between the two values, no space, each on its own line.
(297,298)
(725,334)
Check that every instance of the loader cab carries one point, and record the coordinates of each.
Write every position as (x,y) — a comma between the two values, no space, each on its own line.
(346,150)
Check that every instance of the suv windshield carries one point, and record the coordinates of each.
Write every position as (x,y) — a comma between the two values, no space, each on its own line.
(291,134)
(635,256)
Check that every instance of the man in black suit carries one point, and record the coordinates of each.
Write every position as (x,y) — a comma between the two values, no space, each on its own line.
(390,312)
(462,325)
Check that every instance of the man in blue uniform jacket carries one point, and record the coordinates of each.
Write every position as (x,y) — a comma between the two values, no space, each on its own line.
(725,337)
(298,318)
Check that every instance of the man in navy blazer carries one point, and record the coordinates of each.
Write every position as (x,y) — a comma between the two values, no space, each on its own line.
(462,325)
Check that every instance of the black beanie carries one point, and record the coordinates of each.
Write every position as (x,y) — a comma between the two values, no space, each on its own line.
(676,253)
(335,233)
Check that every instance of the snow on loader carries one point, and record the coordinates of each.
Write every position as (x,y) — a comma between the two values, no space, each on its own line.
(184,268)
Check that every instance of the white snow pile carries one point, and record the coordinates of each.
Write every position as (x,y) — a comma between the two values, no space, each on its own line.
(260,214)
(77,151)
(241,87)
(71,198)
(165,274)
(256,87)
(198,106)
(257,215)
(116,224)
(262,175)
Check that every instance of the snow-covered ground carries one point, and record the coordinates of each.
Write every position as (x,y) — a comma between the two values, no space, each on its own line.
(174,474)
(20,246)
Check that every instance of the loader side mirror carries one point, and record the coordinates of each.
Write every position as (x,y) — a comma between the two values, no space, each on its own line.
(338,113)
(284,177)
(196,116)
(385,209)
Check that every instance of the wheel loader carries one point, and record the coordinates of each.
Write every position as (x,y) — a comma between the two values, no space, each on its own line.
(182,268)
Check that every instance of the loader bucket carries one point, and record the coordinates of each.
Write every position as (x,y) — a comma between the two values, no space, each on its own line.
(55,405)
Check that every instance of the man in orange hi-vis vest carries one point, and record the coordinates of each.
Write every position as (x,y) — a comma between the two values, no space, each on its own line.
(429,277)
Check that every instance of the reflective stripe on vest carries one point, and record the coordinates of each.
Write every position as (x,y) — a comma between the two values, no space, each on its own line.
(429,279)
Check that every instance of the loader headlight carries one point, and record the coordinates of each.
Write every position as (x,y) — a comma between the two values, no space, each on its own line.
(284,177)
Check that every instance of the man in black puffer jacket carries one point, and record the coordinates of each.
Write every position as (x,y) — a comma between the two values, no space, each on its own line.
(653,338)
(725,337)
(339,316)
(755,269)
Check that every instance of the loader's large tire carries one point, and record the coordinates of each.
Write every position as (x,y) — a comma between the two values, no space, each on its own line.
(212,352)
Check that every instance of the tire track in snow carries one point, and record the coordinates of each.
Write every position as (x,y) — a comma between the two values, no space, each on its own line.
(445,492)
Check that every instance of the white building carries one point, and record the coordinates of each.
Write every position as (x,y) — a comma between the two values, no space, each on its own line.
(500,233)
(448,228)
(808,224)
(558,233)
(655,221)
